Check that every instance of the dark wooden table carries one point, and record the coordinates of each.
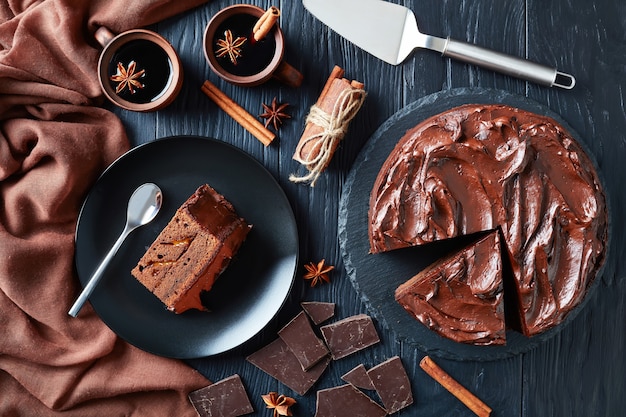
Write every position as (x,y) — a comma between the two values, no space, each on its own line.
(579,372)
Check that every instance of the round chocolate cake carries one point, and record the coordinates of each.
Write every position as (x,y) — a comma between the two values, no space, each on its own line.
(476,168)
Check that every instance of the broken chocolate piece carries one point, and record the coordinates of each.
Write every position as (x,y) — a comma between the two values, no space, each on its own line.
(225,398)
(392,384)
(319,312)
(358,377)
(299,336)
(350,335)
(277,360)
(346,400)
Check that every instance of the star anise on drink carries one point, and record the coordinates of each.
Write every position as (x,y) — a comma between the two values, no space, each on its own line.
(229,46)
(275,114)
(279,403)
(317,273)
(127,77)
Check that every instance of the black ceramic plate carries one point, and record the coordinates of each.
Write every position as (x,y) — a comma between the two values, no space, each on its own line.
(376,277)
(247,295)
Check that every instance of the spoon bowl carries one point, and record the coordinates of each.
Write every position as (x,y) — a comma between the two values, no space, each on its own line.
(143,206)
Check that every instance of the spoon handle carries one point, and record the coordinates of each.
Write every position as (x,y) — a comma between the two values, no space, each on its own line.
(97,275)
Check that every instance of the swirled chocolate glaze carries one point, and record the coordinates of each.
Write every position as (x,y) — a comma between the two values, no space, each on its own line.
(461,297)
(481,167)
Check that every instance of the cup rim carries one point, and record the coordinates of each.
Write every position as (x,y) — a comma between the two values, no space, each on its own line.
(123,38)
(209,35)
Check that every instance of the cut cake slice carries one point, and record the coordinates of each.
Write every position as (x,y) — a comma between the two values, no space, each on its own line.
(193,249)
(461,297)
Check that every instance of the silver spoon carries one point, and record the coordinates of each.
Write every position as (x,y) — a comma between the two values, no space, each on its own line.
(143,206)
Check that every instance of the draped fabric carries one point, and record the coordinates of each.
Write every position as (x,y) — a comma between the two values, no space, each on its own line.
(55,141)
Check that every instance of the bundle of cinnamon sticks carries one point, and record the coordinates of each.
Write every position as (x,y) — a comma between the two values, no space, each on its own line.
(327,124)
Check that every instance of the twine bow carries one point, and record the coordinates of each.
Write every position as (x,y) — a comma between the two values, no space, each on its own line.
(334,127)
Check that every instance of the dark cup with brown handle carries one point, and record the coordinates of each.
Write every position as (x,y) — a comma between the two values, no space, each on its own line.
(236,56)
(138,69)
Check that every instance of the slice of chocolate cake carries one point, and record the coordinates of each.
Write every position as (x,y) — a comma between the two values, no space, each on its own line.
(193,249)
(461,297)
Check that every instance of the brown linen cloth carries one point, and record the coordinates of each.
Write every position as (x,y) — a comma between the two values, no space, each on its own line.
(54,142)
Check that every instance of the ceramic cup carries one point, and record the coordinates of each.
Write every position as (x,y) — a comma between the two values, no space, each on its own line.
(259,61)
(154,88)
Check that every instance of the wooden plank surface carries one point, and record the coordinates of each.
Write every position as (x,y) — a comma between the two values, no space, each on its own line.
(580,372)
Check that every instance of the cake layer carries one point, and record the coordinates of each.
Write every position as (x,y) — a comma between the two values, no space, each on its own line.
(480,167)
(461,297)
(193,249)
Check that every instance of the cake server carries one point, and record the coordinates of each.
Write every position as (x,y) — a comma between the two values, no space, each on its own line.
(389,32)
(143,206)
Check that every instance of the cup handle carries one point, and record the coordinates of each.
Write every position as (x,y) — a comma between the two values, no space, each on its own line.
(103,35)
(288,75)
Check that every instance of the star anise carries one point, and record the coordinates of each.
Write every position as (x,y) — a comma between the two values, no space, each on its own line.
(279,403)
(317,273)
(127,77)
(275,114)
(229,46)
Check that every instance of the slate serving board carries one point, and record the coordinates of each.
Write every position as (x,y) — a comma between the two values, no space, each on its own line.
(375,277)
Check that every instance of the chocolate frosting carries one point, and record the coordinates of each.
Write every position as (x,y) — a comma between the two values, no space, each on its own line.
(461,296)
(480,167)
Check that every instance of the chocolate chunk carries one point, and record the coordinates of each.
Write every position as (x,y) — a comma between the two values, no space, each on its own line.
(277,360)
(346,400)
(226,398)
(318,312)
(350,335)
(358,377)
(392,384)
(299,336)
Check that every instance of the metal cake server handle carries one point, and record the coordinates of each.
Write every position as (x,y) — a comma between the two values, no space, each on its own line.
(507,64)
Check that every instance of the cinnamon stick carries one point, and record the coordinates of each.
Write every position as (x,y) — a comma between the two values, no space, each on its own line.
(265,23)
(337,72)
(470,400)
(238,113)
